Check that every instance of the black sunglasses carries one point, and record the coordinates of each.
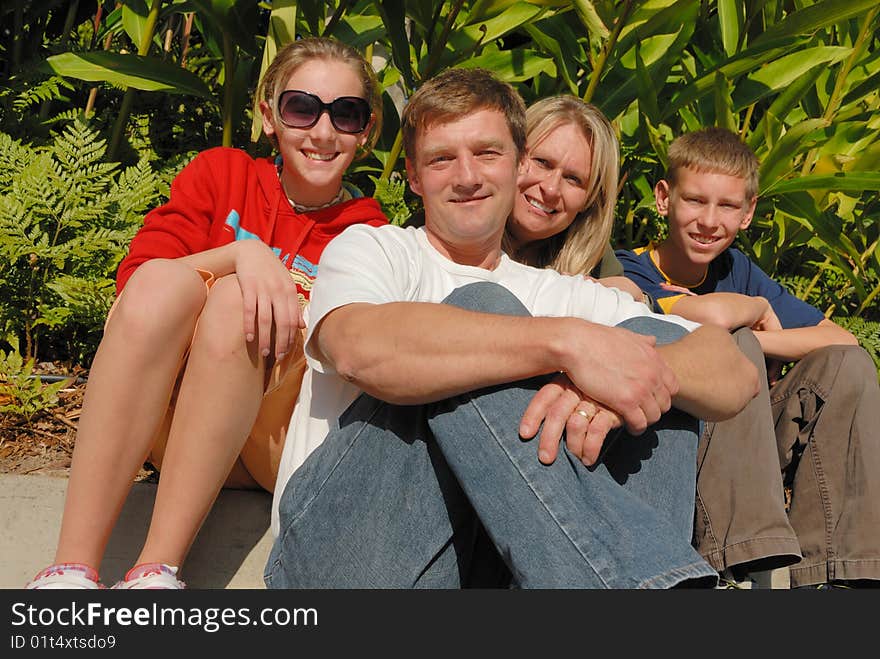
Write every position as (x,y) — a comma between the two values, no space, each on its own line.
(299,109)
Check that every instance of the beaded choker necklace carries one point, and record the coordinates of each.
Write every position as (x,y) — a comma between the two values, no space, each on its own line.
(300,208)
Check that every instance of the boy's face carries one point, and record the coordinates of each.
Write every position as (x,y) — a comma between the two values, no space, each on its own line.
(705,211)
(465,171)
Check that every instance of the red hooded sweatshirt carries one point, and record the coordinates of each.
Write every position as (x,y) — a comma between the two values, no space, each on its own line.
(225,195)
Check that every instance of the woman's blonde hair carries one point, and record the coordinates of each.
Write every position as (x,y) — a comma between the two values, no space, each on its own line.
(579,248)
(296,53)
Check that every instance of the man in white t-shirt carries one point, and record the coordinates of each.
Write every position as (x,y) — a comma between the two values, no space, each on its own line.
(412,458)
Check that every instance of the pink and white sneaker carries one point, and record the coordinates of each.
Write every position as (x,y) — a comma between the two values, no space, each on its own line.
(151,576)
(66,576)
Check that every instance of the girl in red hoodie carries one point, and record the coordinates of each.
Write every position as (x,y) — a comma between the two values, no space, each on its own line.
(201,359)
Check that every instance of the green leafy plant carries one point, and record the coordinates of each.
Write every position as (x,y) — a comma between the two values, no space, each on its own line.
(66,218)
(22,394)
(391,195)
(867,332)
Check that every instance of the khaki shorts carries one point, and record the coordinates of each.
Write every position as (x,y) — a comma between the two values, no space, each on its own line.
(257,464)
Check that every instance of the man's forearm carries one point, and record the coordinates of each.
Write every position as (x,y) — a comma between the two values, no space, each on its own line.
(415,352)
(715,379)
(412,353)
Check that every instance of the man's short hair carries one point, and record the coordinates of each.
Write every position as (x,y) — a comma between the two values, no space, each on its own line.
(454,93)
(716,150)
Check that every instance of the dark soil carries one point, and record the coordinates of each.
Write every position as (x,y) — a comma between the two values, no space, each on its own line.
(44,445)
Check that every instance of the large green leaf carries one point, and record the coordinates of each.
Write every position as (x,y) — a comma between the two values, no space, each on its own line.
(393,13)
(842,181)
(281,30)
(620,87)
(360,31)
(780,73)
(147,73)
(780,160)
(490,29)
(514,65)
(134,20)
(656,17)
(816,17)
(780,110)
(483,9)
(314,13)
(742,64)
(466,42)
(650,49)
(555,36)
(234,19)
(730,18)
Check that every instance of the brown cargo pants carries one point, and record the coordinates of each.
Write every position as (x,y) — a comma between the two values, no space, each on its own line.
(815,433)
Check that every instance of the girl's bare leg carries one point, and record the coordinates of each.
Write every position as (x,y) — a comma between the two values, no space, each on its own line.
(219,397)
(129,387)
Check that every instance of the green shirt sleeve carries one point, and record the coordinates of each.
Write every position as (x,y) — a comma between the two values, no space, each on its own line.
(609,266)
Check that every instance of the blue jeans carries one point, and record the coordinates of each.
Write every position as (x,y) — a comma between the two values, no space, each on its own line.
(448,495)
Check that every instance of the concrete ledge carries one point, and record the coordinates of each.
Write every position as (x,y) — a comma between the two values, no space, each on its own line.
(229,552)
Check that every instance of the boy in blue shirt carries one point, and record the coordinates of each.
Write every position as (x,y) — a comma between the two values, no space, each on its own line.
(816,430)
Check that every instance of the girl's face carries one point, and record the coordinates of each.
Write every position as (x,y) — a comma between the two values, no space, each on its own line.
(316,158)
(552,186)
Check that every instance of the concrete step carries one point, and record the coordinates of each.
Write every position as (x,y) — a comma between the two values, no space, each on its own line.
(229,552)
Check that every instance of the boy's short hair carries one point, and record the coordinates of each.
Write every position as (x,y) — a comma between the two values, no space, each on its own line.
(716,150)
(454,93)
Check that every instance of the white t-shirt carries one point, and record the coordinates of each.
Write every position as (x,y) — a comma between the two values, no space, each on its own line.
(391,264)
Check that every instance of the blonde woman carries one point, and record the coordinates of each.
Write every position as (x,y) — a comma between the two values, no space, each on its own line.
(564,212)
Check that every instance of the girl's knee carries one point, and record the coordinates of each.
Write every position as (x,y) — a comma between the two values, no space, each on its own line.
(224,304)
(160,293)
(221,323)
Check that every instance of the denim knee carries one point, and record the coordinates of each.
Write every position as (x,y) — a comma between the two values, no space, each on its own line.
(665,331)
(487,297)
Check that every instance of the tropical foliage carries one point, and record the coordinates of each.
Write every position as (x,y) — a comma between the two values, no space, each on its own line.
(798,79)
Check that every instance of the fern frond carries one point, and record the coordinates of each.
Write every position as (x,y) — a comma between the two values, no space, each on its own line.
(34,93)
(866,331)
(66,219)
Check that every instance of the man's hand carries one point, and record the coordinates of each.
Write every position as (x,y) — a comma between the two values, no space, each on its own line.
(268,296)
(561,406)
(624,372)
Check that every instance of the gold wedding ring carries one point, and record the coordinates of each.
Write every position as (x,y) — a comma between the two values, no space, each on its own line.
(583,414)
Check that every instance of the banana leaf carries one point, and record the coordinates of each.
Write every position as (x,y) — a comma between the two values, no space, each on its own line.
(140,72)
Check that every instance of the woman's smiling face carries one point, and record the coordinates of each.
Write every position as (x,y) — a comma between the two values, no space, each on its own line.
(552,185)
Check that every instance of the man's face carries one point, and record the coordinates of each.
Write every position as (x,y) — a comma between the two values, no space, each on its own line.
(466,171)
(705,212)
